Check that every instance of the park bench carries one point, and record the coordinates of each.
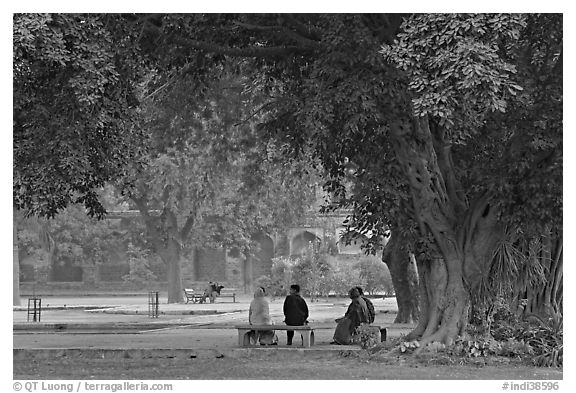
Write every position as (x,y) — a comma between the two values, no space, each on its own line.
(192,296)
(196,297)
(306,331)
(228,292)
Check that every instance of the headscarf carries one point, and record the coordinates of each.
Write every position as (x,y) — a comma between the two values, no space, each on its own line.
(259,312)
(353,293)
(259,292)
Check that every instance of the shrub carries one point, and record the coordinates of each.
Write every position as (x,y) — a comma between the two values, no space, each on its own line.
(515,349)
(265,282)
(546,339)
(312,271)
(475,348)
(375,274)
(344,276)
(532,336)
(282,273)
(367,336)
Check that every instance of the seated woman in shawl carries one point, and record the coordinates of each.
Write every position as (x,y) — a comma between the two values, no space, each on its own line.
(259,314)
(356,314)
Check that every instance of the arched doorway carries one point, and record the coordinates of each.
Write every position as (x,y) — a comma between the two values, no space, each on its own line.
(300,243)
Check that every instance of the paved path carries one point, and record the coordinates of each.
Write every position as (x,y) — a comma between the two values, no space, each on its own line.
(123,322)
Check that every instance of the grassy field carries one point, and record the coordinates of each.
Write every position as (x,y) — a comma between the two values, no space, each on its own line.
(275,365)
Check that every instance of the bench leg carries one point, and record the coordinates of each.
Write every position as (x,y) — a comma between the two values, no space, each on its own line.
(307,338)
(243,337)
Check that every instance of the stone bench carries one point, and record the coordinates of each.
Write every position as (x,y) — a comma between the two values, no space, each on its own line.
(306,331)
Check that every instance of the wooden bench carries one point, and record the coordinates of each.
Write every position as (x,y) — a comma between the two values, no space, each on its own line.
(192,296)
(228,292)
(306,331)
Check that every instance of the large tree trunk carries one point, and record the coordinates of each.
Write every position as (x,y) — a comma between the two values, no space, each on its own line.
(171,256)
(404,278)
(248,275)
(444,305)
(15,265)
(170,249)
(460,236)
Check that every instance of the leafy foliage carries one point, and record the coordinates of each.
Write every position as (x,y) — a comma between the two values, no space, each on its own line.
(312,270)
(429,122)
(367,336)
(541,341)
(139,262)
(74,90)
(320,274)
(208,167)
(74,237)
(281,276)
(375,275)
(454,68)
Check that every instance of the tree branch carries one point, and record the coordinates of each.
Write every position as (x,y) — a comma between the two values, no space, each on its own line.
(476,211)
(446,166)
(150,223)
(187,227)
(306,31)
(262,107)
(255,51)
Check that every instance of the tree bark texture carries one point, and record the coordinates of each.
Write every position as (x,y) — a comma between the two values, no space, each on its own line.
(463,233)
(404,278)
(171,256)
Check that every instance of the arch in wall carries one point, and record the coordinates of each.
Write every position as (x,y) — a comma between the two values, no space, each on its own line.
(300,242)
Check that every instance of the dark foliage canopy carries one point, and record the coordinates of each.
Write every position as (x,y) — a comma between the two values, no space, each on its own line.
(75,82)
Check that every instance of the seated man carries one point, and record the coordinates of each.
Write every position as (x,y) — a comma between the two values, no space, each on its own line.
(211,292)
(295,311)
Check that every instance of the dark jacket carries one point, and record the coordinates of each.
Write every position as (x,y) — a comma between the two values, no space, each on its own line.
(295,310)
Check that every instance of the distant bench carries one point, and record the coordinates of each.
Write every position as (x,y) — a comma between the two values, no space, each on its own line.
(192,296)
(196,297)
(228,292)
(306,331)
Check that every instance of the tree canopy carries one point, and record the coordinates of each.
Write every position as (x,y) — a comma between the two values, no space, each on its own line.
(422,110)
(75,83)
(448,126)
